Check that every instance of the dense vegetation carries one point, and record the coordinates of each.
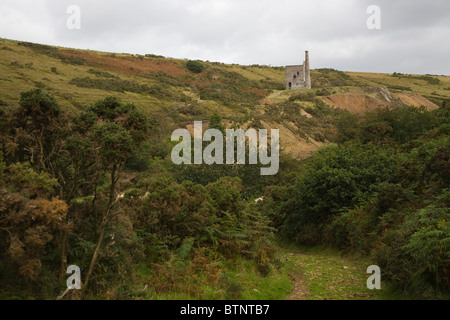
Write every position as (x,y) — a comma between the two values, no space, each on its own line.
(382,191)
(69,193)
(65,197)
(86,178)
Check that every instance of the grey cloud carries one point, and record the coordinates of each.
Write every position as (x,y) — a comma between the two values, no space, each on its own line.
(412,38)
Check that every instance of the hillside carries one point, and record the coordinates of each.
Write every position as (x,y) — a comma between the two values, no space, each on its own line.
(87,180)
(166,90)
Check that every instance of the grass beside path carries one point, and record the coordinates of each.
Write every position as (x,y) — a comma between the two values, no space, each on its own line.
(326,274)
(302,273)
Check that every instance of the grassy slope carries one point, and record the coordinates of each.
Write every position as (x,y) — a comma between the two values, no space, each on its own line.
(418,86)
(15,79)
(24,67)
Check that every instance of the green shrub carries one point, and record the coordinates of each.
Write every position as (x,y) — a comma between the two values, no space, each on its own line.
(133,193)
(337,178)
(330,78)
(150,55)
(304,96)
(429,247)
(399,124)
(414,248)
(347,126)
(355,230)
(195,66)
(76,61)
(322,92)
(401,88)
(38,47)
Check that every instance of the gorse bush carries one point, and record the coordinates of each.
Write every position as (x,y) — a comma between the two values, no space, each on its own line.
(303,96)
(326,77)
(75,161)
(383,194)
(230,88)
(429,245)
(414,249)
(385,126)
(402,124)
(195,66)
(109,220)
(401,88)
(336,178)
(103,74)
(211,216)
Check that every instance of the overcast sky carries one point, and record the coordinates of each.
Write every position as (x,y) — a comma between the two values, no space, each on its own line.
(414,35)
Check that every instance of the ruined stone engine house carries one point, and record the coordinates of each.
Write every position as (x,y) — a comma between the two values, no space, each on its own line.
(298,77)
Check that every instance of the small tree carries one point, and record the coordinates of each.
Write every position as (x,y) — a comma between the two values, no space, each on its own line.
(118,131)
(216,123)
(195,66)
(39,127)
(335,178)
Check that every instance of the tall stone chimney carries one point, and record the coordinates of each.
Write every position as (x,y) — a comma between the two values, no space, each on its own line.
(307,73)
